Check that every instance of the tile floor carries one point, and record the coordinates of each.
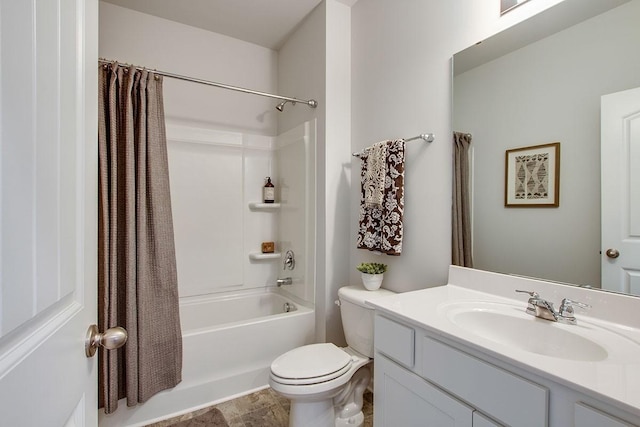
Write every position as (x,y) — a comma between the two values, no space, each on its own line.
(263,408)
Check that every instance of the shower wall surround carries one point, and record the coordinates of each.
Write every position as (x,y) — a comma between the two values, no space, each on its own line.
(207,171)
(215,176)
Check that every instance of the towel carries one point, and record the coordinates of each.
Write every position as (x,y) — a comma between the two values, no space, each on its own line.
(375,171)
(381,225)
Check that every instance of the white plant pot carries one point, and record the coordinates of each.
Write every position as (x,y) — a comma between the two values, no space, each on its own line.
(372,282)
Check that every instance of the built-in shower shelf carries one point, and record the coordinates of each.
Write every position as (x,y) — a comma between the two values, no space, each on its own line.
(263,206)
(259,256)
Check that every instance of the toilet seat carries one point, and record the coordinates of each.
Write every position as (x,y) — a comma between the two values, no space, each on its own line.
(311,364)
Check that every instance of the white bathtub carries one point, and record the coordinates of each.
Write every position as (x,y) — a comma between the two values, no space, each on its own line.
(229,343)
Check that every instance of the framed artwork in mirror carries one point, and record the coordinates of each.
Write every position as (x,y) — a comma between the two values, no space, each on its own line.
(507,5)
(532,177)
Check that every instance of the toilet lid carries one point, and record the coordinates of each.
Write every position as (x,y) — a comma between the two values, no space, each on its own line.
(314,361)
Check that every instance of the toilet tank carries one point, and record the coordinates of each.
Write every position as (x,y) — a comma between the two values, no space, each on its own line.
(357,317)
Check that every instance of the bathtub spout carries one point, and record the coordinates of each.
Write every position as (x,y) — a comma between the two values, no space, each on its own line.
(285,281)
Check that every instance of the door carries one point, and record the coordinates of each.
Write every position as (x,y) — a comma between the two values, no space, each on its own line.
(48,211)
(620,145)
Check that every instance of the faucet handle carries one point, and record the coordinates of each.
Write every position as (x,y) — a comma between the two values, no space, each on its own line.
(567,305)
(565,313)
(531,307)
(289,260)
(532,294)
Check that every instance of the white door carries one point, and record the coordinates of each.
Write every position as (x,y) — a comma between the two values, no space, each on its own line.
(48,211)
(620,145)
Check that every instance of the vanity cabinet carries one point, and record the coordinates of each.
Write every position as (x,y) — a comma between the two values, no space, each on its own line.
(409,400)
(586,416)
(422,378)
(405,398)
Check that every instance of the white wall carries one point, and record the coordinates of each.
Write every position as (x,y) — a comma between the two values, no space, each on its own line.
(401,87)
(338,162)
(133,37)
(315,63)
(546,92)
(399,82)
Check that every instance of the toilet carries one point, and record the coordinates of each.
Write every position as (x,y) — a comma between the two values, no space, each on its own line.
(326,383)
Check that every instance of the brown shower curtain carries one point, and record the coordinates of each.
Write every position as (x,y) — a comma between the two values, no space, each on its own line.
(461,210)
(137,281)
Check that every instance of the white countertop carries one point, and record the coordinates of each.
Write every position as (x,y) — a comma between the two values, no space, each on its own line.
(614,380)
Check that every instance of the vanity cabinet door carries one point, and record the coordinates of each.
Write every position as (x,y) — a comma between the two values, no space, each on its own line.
(480,420)
(586,416)
(404,399)
(499,393)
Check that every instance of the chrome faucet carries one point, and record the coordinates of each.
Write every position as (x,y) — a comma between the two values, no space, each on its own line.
(566,310)
(285,281)
(539,307)
(543,309)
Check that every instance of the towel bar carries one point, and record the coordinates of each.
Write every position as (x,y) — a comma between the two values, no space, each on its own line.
(428,137)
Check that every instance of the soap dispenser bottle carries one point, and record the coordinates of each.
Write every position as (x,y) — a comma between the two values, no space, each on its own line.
(268,191)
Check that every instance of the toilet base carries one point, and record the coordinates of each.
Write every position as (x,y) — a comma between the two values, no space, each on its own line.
(312,414)
(356,420)
(341,407)
(334,403)
(321,414)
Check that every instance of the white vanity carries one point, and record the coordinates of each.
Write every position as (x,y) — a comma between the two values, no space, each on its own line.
(467,354)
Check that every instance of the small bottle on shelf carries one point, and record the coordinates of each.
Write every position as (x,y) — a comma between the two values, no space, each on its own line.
(269,191)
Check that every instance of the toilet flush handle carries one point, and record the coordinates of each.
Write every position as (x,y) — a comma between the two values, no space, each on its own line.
(337,302)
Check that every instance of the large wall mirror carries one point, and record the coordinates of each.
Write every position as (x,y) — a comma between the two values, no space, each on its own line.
(541,82)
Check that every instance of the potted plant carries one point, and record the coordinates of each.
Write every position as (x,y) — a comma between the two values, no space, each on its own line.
(372,274)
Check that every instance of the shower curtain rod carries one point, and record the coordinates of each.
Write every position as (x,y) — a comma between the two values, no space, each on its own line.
(311,102)
(428,137)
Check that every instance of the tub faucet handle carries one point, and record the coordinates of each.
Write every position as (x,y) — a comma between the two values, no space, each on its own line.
(289,260)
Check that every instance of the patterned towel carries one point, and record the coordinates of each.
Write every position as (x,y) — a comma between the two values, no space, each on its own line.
(375,172)
(380,226)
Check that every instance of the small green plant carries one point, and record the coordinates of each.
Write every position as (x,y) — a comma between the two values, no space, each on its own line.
(372,268)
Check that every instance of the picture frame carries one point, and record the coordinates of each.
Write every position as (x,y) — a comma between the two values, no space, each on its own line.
(532,176)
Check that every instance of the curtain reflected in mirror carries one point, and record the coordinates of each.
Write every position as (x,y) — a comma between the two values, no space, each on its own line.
(461,207)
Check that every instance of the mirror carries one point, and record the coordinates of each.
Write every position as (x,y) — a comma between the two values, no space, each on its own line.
(536,83)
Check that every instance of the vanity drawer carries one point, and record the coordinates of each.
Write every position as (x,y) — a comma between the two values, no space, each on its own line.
(395,340)
(494,391)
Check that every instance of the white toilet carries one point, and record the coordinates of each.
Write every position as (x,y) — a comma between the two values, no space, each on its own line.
(326,383)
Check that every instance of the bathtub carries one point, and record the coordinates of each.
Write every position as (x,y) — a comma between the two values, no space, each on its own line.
(229,342)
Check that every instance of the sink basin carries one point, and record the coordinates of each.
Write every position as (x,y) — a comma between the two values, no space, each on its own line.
(510,326)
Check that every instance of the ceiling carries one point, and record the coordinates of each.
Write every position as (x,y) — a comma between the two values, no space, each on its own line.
(266,23)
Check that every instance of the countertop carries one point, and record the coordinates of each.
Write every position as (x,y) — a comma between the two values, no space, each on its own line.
(614,380)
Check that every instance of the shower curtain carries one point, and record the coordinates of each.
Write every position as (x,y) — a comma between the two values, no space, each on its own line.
(461,210)
(137,280)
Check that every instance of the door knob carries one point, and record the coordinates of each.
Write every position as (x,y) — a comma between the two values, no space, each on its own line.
(612,253)
(111,339)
